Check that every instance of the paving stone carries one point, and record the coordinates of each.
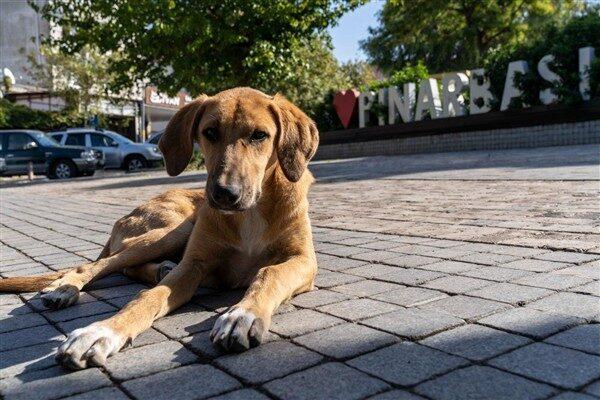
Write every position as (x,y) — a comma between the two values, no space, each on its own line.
(199,381)
(588,270)
(592,288)
(347,340)
(70,326)
(183,324)
(510,293)
(332,381)
(371,270)
(317,298)
(149,336)
(357,309)
(28,337)
(242,394)
(339,264)
(11,310)
(406,363)
(375,256)
(297,323)
(584,337)
(410,276)
(13,323)
(497,274)
(535,265)
(79,311)
(149,359)
(111,393)
(8,298)
(572,396)
(456,284)
(481,382)
(567,256)
(531,322)
(552,281)
(593,389)
(413,323)
(412,261)
(410,296)
(559,366)
(40,385)
(579,305)
(396,395)
(201,344)
(118,291)
(268,361)
(487,258)
(450,267)
(468,308)
(475,342)
(366,288)
(110,281)
(27,359)
(35,302)
(327,279)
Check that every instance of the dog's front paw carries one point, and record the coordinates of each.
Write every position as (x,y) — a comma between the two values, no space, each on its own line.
(57,296)
(89,346)
(237,330)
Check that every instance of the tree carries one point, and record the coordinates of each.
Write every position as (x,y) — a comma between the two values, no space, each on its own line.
(202,46)
(457,34)
(80,78)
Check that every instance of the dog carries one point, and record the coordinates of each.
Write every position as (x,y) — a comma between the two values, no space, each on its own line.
(249,228)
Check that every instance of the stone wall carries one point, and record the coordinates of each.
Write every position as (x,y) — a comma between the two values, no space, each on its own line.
(573,133)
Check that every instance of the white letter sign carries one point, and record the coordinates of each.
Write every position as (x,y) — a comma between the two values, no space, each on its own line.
(547,96)
(365,102)
(510,89)
(586,55)
(404,105)
(453,100)
(429,100)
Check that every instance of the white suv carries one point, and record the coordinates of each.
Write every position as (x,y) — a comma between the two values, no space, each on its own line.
(119,152)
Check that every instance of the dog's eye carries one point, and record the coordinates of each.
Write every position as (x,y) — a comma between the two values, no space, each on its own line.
(258,136)
(211,134)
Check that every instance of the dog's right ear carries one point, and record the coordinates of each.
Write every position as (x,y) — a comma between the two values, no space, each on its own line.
(177,142)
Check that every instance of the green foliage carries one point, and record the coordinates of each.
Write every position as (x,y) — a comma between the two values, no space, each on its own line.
(563,43)
(203,46)
(456,34)
(197,161)
(17,116)
(405,75)
(80,78)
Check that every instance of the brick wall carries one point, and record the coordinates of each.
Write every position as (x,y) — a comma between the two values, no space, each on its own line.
(587,132)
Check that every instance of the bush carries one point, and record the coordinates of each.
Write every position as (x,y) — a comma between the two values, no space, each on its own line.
(563,43)
(18,116)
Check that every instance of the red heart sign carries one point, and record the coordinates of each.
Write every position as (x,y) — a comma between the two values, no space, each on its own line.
(346,104)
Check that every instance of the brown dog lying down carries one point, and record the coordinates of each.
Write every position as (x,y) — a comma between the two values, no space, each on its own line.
(248,228)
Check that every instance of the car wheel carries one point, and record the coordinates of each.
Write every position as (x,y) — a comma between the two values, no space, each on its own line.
(135,163)
(63,169)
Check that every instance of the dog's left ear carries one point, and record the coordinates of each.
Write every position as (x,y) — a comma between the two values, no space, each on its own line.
(298,138)
(177,142)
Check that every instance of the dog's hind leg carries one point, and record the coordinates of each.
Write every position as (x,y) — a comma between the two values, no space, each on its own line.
(135,251)
(150,273)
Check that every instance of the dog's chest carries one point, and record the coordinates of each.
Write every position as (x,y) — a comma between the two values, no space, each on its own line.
(251,232)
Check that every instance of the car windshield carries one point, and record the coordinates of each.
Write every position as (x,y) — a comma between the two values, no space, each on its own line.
(44,140)
(118,138)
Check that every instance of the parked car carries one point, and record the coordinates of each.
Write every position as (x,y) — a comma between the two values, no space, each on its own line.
(20,147)
(119,152)
(155,138)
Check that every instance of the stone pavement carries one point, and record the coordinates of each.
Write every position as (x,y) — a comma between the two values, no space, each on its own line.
(442,276)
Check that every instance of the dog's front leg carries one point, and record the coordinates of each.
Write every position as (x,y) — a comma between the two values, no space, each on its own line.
(245,324)
(90,346)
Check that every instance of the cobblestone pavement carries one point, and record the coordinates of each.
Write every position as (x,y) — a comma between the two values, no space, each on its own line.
(448,276)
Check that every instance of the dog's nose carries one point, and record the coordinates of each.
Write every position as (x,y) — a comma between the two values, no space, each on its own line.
(227,194)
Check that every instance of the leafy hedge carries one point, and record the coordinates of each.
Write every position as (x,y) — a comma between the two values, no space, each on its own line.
(563,43)
(18,116)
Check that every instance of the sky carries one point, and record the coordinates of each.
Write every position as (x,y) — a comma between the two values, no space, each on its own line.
(352,28)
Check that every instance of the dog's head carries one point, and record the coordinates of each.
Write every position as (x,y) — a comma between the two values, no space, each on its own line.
(242,133)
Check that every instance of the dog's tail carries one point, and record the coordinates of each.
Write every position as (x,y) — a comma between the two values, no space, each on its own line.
(23,284)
